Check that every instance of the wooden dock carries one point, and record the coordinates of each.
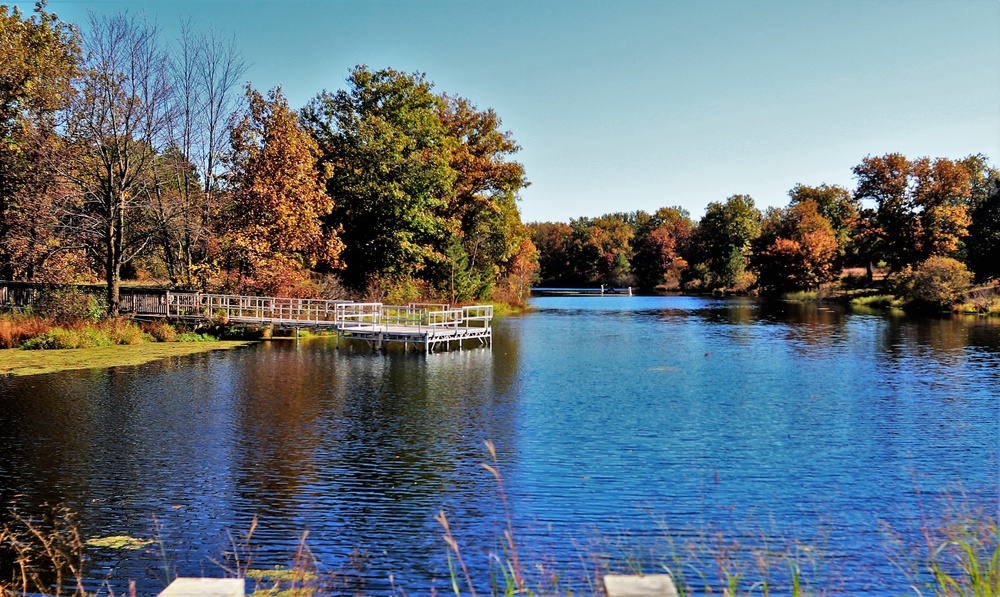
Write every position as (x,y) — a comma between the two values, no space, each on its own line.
(424,326)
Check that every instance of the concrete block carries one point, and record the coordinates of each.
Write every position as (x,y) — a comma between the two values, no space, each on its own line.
(205,587)
(647,585)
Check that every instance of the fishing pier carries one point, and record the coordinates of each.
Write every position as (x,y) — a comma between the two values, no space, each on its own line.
(424,326)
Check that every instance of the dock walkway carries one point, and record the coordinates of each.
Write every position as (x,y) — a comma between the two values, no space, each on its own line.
(425,326)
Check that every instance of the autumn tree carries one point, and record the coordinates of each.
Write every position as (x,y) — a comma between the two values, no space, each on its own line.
(273,227)
(520,273)
(601,251)
(723,240)
(661,240)
(40,59)
(841,210)
(921,206)
(553,241)
(797,248)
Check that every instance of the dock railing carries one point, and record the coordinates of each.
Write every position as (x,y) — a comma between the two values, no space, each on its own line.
(428,324)
(447,318)
(249,308)
(358,315)
(479,315)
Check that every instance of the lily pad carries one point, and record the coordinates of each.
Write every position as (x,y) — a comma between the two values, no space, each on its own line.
(118,542)
(279,574)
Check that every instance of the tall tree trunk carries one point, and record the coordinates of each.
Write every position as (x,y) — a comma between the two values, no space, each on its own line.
(112,273)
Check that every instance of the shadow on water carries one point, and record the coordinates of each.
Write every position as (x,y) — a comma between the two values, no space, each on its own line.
(359,449)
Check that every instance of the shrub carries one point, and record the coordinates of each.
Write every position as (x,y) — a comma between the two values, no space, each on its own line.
(80,335)
(122,331)
(70,303)
(160,331)
(938,283)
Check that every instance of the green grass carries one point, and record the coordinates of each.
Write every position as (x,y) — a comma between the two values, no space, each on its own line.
(874,301)
(967,564)
(195,337)
(802,296)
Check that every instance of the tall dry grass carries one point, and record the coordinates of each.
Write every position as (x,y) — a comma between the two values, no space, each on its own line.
(16,328)
(47,554)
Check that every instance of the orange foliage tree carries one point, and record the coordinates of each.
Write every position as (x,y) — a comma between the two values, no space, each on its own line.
(273,226)
(661,240)
(797,249)
(921,206)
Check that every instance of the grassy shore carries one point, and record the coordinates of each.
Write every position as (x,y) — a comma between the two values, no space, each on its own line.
(34,362)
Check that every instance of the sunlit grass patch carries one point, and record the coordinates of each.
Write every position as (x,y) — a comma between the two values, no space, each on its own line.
(802,296)
(874,301)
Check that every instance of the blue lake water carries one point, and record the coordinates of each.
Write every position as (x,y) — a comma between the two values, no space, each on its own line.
(630,432)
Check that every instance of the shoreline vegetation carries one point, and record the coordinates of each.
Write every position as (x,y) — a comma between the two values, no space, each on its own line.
(32,344)
(76,335)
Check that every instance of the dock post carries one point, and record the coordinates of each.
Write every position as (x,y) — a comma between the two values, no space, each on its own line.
(648,585)
(205,587)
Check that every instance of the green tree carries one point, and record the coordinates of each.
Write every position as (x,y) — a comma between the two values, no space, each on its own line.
(482,208)
(273,228)
(723,241)
(389,156)
(984,236)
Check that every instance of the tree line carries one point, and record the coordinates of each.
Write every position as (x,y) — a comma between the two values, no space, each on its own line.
(904,213)
(127,156)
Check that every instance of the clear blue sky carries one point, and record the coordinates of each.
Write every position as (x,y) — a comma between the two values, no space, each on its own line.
(629,104)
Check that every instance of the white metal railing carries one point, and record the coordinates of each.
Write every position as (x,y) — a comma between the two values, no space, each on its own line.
(448,318)
(481,314)
(343,314)
(364,315)
(239,307)
(410,315)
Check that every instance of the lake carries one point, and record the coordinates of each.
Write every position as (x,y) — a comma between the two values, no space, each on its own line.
(631,433)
